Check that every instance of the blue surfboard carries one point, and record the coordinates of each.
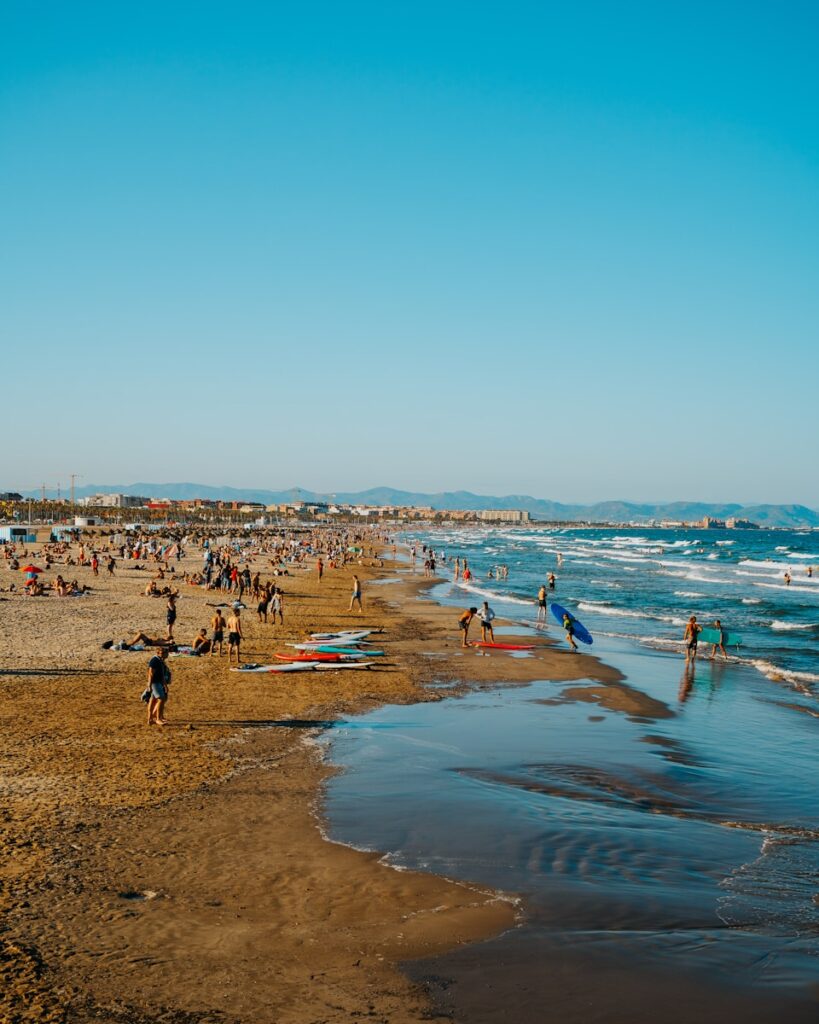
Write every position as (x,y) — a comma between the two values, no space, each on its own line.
(580,631)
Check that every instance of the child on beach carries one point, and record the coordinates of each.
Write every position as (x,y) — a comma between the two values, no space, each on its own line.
(568,625)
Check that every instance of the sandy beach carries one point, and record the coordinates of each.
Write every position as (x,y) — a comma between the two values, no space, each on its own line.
(181,873)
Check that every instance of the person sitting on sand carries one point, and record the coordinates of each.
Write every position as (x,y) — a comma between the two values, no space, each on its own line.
(159,678)
(152,590)
(486,616)
(463,624)
(568,625)
(201,644)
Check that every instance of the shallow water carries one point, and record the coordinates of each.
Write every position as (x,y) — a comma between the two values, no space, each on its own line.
(680,832)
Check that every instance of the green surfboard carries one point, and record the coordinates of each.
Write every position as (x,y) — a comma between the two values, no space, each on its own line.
(709,635)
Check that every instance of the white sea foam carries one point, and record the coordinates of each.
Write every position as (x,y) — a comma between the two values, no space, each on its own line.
(793,589)
(725,543)
(772,671)
(625,613)
(492,595)
(751,600)
(780,625)
(687,593)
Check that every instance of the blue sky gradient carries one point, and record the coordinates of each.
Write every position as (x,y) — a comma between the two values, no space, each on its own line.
(562,249)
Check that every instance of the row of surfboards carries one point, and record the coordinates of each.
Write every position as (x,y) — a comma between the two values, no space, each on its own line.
(328,652)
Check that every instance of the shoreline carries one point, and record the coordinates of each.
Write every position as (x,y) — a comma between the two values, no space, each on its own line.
(87,860)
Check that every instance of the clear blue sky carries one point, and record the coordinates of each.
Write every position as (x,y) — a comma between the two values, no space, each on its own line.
(563,249)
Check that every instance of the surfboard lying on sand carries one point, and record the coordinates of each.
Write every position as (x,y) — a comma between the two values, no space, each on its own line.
(318,656)
(709,635)
(302,666)
(294,666)
(502,647)
(330,649)
(346,635)
(580,631)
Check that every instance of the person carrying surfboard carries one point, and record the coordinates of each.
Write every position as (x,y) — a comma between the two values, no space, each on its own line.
(486,616)
(720,641)
(568,625)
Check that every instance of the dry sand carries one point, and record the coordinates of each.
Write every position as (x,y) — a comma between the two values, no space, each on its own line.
(180,874)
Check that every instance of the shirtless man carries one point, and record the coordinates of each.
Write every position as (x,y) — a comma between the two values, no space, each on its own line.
(356,596)
(691,638)
(463,624)
(234,625)
(217,625)
(201,644)
(542,603)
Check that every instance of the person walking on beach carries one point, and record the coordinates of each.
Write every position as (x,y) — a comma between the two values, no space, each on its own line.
(720,641)
(234,625)
(320,569)
(159,678)
(217,625)
(486,616)
(542,603)
(463,624)
(568,625)
(691,638)
(356,597)
(276,606)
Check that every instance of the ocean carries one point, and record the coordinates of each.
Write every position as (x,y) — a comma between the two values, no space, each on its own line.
(669,851)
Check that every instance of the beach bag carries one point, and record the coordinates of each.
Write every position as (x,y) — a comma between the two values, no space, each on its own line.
(146,695)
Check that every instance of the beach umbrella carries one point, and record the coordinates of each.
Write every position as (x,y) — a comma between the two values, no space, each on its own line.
(32,570)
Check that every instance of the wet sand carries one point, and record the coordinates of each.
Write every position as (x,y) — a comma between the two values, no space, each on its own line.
(181,873)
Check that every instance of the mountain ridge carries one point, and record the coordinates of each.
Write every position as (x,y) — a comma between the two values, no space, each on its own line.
(543,509)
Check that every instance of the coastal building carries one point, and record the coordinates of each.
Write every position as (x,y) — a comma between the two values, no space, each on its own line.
(740,524)
(707,523)
(112,501)
(504,515)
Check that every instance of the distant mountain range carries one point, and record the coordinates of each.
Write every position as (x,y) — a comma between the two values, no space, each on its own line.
(797,516)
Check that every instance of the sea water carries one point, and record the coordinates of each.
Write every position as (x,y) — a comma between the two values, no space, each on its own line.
(681,834)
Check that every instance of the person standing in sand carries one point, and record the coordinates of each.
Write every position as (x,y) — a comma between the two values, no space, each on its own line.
(217,624)
(276,606)
(691,638)
(159,678)
(486,615)
(356,597)
(170,615)
(320,569)
(463,624)
(234,625)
